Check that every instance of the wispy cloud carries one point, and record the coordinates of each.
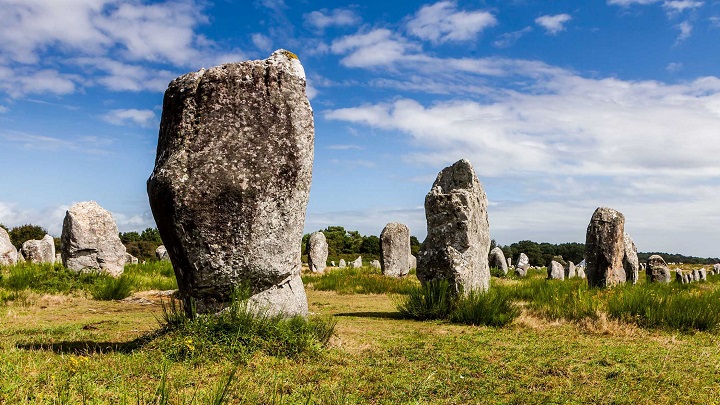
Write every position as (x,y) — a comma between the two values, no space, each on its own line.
(377,47)
(685,31)
(508,39)
(344,147)
(262,42)
(143,118)
(91,145)
(339,17)
(443,22)
(553,24)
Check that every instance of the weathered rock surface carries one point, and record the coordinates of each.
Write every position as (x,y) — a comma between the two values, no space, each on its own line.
(570,270)
(630,260)
(497,259)
(580,271)
(703,274)
(555,271)
(21,258)
(90,240)
(605,248)
(395,249)
(231,182)
(458,240)
(716,267)
(39,251)
(342,264)
(375,264)
(357,263)
(161,253)
(317,252)
(657,270)
(412,262)
(8,253)
(130,259)
(679,276)
(523,264)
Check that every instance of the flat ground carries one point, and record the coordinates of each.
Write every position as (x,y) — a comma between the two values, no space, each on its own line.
(70,349)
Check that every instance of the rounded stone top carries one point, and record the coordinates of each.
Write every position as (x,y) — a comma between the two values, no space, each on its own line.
(460,175)
(283,56)
(606,214)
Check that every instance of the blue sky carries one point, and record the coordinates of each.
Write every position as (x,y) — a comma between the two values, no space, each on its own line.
(561,106)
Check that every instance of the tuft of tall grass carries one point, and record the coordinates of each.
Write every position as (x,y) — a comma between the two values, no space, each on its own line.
(154,275)
(437,300)
(667,306)
(107,288)
(239,330)
(558,299)
(432,300)
(492,308)
(364,280)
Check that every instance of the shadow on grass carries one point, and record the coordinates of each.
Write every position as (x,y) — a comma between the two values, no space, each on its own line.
(381,315)
(85,347)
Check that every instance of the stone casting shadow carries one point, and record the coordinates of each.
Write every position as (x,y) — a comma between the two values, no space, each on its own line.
(381,315)
(85,347)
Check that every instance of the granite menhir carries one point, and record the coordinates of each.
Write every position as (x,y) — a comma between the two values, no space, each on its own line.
(231,182)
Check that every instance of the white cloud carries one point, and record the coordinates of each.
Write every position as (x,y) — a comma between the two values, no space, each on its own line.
(26,80)
(678,6)
(443,22)
(324,18)
(553,23)
(374,48)
(143,118)
(685,31)
(344,147)
(262,42)
(153,32)
(508,39)
(119,76)
(626,3)
(674,67)
(91,145)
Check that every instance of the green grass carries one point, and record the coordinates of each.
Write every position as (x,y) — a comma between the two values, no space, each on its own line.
(432,300)
(364,280)
(110,288)
(557,299)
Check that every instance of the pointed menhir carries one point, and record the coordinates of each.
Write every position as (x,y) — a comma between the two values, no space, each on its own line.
(458,241)
(231,182)
(605,248)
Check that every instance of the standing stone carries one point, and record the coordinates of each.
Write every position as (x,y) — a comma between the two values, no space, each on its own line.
(90,240)
(317,252)
(716,267)
(509,262)
(458,240)
(8,253)
(357,263)
(58,258)
(580,271)
(703,274)
(130,259)
(375,264)
(162,254)
(497,259)
(605,248)
(231,182)
(630,260)
(696,275)
(523,264)
(39,251)
(332,263)
(21,258)
(570,270)
(679,276)
(395,249)
(412,262)
(555,271)
(657,270)
(342,264)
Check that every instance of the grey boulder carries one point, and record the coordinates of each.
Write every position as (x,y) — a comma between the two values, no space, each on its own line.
(8,253)
(395,249)
(162,254)
(39,251)
(317,252)
(555,271)
(657,270)
(497,259)
(605,248)
(630,260)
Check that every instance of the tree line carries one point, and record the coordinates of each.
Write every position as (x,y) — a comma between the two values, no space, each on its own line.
(348,244)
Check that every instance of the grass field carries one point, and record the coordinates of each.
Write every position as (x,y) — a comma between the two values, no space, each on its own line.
(66,347)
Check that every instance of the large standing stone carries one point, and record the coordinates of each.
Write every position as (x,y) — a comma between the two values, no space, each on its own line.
(555,271)
(130,259)
(458,239)
(412,262)
(580,271)
(570,269)
(605,248)
(497,259)
(703,274)
(716,267)
(39,251)
(523,264)
(395,249)
(161,253)
(342,264)
(317,252)
(231,182)
(90,240)
(630,260)
(8,253)
(679,276)
(357,263)
(375,264)
(657,270)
